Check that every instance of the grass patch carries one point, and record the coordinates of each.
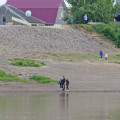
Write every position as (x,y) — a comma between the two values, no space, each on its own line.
(113,58)
(43,79)
(80,57)
(89,28)
(10,78)
(26,63)
(73,57)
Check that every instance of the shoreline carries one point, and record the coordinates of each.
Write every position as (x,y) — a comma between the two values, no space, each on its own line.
(56,92)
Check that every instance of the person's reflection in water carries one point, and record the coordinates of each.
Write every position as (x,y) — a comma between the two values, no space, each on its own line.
(64,103)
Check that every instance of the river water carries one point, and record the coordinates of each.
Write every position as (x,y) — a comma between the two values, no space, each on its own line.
(60,106)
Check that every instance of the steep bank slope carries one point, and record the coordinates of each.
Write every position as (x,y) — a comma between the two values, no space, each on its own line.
(20,40)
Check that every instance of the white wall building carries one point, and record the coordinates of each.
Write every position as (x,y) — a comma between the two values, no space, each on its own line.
(61,12)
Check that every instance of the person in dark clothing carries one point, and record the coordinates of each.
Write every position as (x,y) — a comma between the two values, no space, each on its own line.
(4,20)
(67,84)
(101,54)
(60,83)
(63,83)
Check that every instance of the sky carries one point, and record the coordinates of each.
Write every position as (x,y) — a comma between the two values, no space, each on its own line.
(114,2)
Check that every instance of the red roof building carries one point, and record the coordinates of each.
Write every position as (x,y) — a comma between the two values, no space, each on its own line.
(45,10)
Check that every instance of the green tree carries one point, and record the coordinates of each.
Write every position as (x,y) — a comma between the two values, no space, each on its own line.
(102,11)
(97,11)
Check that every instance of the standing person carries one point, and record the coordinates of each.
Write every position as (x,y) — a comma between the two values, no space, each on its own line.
(85,18)
(67,84)
(60,83)
(106,56)
(4,20)
(101,54)
(63,83)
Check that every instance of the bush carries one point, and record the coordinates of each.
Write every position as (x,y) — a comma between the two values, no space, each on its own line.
(116,25)
(108,31)
(87,27)
(98,27)
(117,36)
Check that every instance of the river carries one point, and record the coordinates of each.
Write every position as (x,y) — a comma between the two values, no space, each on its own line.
(60,106)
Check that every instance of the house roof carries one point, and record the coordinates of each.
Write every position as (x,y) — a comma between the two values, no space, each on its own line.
(35,3)
(45,10)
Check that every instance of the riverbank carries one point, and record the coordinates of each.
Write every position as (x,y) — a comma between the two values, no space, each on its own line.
(65,51)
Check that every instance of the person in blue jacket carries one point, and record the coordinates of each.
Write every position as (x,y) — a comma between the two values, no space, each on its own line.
(101,54)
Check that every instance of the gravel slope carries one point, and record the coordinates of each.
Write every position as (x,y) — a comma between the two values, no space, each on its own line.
(20,40)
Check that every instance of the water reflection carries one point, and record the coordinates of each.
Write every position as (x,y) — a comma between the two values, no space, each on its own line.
(60,106)
(64,104)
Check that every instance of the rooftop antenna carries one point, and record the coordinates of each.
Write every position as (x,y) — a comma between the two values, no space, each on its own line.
(28,13)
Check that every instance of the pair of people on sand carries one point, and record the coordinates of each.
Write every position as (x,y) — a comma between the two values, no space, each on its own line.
(101,55)
(64,81)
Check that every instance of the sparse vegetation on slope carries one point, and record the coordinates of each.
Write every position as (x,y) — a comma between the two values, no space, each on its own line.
(113,58)
(111,31)
(10,78)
